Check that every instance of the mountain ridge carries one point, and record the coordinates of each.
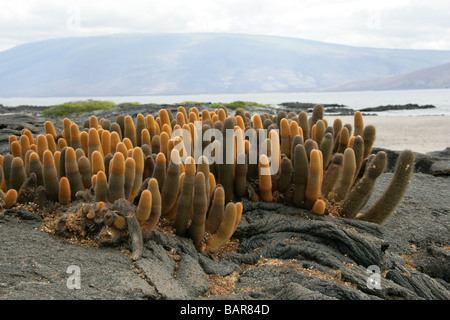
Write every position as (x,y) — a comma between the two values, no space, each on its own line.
(195,63)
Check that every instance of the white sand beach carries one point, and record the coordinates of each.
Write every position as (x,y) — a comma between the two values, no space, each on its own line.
(418,133)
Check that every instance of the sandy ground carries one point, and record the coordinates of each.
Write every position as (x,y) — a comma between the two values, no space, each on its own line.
(418,133)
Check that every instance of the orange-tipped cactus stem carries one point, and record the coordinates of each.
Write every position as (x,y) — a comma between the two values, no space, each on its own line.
(319,207)
(84,139)
(50,129)
(313,186)
(51,181)
(42,145)
(144,206)
(94,143)
(285,137)
(141,124)
(10,198)
(16,149)
(225,231)
(35,165)
(106,142)
(200,206)
(358,123)
(116,178)
(64,191)
(101,187)
(24,145)
(265,179)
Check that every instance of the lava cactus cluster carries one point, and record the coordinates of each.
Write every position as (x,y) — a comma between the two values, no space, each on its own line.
(187,171)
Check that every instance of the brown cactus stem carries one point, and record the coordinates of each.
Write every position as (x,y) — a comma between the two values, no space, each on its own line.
(225,231)
(138,157)
(101,187)
(159,172)
(51,181)
(326,147)
(358,148)
(200,206)
(184,205)
(155,212)
(84,167)
(385,206)
(361,192)
(227,169)
(73,173)
(346,175)
(265,179)
(369,136)
(240,186)
(303,123)
(332,174)
(300,174)
(116,181)
(171,183)
(18,175)
(285,177)
(216,210)
(344,137)
(130,172)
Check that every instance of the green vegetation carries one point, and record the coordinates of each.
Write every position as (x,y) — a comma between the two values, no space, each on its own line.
(238,104)
(78,107)
(128,104)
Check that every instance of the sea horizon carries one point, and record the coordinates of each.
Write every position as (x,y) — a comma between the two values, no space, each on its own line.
(440,98)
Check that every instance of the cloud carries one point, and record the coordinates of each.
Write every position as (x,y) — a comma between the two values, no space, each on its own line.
(397,24)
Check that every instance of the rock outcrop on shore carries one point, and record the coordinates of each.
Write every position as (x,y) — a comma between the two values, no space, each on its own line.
(277,252)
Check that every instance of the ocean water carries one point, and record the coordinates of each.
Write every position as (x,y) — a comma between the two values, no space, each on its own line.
(440,98)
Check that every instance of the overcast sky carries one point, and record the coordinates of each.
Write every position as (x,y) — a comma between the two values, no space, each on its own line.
(406,24)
